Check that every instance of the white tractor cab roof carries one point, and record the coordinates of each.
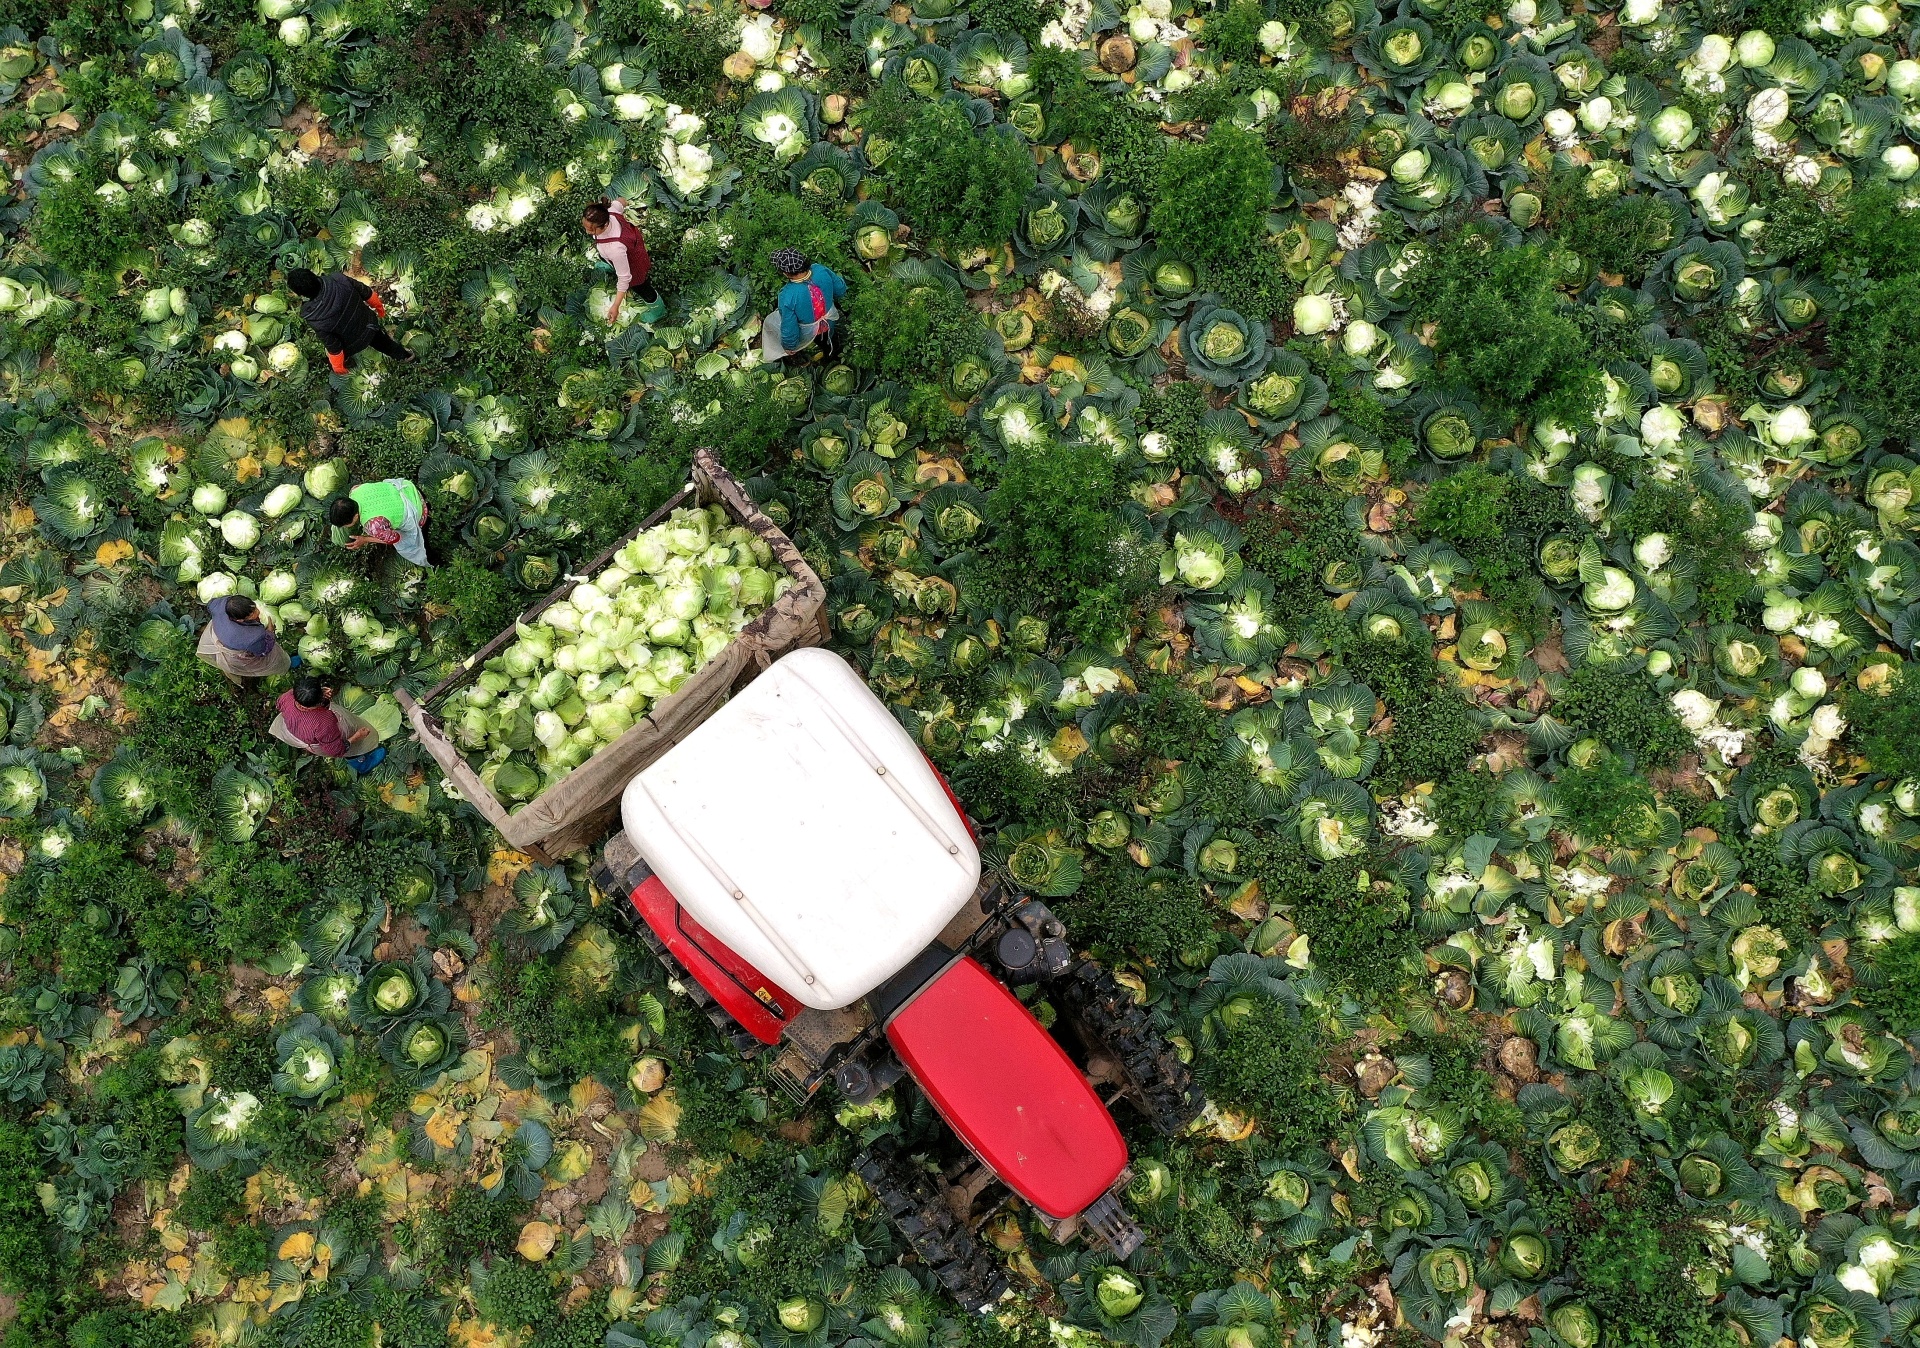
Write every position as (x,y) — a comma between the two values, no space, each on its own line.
(802,827)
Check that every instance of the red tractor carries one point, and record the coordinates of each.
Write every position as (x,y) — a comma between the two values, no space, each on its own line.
(807,877)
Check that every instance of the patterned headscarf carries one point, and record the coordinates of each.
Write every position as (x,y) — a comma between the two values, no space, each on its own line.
(790,261)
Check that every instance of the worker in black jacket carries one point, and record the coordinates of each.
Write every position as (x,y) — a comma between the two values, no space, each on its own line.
(345,313)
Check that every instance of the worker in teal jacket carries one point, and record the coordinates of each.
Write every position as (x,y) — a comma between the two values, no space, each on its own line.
(808,307)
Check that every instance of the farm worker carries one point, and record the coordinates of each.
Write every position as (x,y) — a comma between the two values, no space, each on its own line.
(391,511)
(623,247)
(309,720)
(808,306)
(345,313)
(238,640)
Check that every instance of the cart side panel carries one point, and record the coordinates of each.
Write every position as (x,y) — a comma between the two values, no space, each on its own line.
(426,729)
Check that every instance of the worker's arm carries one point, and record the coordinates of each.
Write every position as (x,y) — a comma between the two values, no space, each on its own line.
(789,324)
(373,298)
(378,530)
(336,353)
(837,291)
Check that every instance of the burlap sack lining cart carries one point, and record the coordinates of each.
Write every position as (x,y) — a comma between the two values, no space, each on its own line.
(581,808)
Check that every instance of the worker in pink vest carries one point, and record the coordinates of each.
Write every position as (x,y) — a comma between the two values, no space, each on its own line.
(307,719)
(623,247)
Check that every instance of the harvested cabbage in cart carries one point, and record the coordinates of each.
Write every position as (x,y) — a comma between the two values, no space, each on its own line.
(589,665)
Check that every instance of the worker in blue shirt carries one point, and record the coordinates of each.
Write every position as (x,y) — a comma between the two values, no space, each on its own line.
(808,307)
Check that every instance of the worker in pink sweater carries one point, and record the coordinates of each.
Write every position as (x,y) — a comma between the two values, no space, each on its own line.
(623,247)
(308,720)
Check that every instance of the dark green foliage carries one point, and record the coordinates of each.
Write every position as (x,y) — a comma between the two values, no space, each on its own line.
(130,1327)
(443,1240)
(131,1105)
(1251,284)
(1059,542)
(931,414)
(1234,32)
(1154,914)
(1214,195)
(1868,243)
(1707,529)
(1468,506)
(1875,342)
(212,1199)
(1501,330)
(767,220)
(685,48)
(1459,1078)
(1001,784)
(713,1106)
(376,451)
(23,1225)
(81,232)
(1434,733)
(459,65)
(745,429)
(1628,1254)
(1625,712)
(1269,1063)
(1463,803)
(1606,802)
(957,183)
(770,1189)
(1024,17)
(516,1295)
(189,725)
(1867,234)
(1178,412)
(1496,520)
(1126,135)
(912,332)
(1619,234)
(409,1319)
(250,896)
(336,1319)
(1174,722)
(611,491)
(1886,726)
(481,601)
(1353,404)
(82,910)
(574,1030)
(1355,920)
(821,13)
(1897,998)
(583,1327)
(1292,541)
(215,1203)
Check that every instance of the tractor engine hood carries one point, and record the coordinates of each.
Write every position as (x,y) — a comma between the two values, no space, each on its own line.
(802,827)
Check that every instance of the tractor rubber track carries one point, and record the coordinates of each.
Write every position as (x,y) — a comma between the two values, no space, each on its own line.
(1161,1084)
(917,1209)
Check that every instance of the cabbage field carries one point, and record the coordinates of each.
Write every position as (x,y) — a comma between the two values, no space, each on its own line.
(1396,516)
